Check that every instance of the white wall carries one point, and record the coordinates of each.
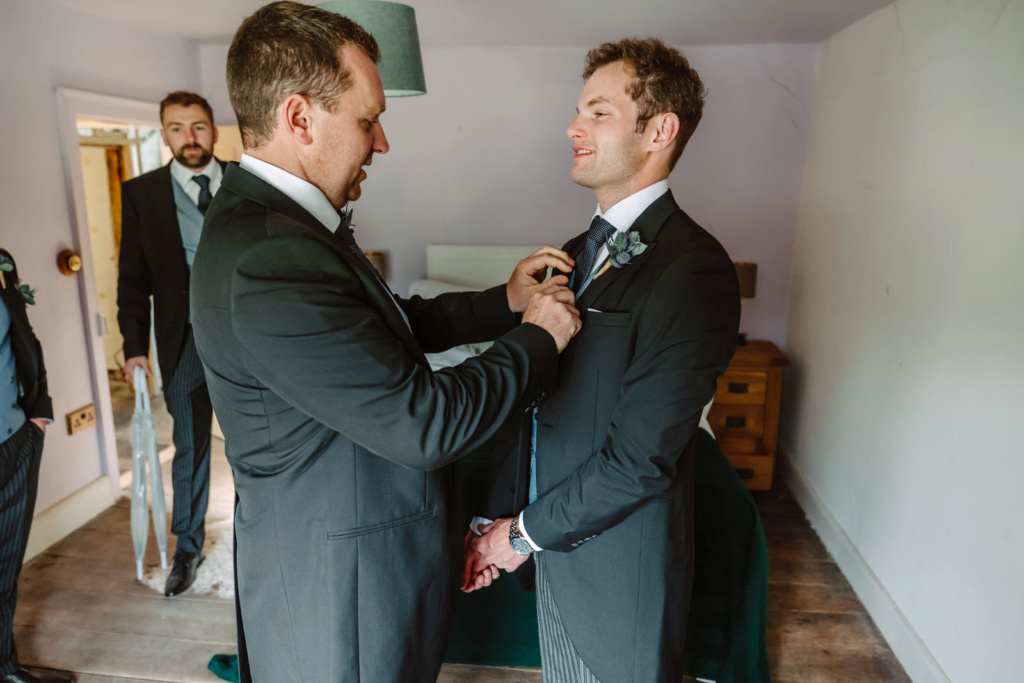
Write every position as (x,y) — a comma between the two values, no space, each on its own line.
(483,158)
(906,394)
(42,46)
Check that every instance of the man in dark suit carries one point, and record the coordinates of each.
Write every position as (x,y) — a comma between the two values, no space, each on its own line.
(596,484)
(336,429)
(161,220)
(25,411)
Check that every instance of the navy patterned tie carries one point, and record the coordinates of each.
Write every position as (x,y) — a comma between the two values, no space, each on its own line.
(204,192)
(600,231)
(345,234)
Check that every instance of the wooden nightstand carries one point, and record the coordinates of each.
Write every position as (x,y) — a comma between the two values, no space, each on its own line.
(745,413)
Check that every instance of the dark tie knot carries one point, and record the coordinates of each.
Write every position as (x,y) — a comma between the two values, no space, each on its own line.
(204,192)
(600,231)
(346,219)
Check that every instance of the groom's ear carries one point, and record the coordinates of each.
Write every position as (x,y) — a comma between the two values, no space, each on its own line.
(662,131)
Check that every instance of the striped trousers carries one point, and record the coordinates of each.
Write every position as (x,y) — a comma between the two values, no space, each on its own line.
(559,660)
(188,401)
(19,480)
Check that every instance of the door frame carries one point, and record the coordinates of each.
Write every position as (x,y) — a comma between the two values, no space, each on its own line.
(73,104)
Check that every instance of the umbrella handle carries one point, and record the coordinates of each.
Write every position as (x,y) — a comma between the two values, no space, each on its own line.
(138,380)
(141,391)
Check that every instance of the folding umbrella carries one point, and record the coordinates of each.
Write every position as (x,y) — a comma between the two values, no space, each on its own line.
(144,451)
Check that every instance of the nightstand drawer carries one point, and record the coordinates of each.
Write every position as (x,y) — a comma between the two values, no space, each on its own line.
(742,387)
(741,444)
(736,420)
(754,470)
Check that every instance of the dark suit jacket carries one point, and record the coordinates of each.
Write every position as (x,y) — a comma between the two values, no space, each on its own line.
(28,354)
(337,432)
(615,448)
(152,263)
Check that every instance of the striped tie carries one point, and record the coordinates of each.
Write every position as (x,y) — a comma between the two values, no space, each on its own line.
(600,231)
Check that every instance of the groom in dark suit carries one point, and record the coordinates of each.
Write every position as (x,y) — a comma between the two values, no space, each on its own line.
(336,429)
(25,411)
(595,484)
(161,220)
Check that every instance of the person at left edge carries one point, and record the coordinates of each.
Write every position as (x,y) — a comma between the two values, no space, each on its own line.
(25,410)
(161,220)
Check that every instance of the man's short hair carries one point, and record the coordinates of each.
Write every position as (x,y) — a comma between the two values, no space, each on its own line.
(663,81)
(183,98)
(286,48)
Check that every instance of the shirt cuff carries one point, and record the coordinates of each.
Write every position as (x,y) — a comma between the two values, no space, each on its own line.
(522,532)
(477,522)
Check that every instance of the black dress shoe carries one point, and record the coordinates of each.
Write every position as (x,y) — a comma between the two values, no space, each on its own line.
(183,573)
(25,675)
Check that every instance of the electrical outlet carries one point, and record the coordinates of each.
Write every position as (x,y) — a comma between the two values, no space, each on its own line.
(83,418)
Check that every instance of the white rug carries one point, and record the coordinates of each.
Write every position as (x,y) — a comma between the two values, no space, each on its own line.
(216,574)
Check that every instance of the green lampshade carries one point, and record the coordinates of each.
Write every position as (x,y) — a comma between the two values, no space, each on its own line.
(393,25)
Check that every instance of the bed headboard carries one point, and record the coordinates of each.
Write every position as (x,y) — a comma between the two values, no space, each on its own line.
(474,265)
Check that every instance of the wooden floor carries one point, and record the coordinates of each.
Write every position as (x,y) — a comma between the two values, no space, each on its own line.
(80,608)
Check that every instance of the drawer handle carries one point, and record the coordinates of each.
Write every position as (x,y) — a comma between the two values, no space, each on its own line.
(744,472)
(736,421)
(739,387)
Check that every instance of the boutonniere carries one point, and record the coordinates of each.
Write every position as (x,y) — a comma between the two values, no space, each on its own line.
(621,250)
(27,293)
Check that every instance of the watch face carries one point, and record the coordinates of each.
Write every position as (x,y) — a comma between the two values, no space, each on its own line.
(518,543)
(521,546)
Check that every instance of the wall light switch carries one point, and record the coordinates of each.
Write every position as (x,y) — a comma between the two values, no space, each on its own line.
(80,419)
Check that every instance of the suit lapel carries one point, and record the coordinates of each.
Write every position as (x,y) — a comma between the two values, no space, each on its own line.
(22,345)
(255,189)
(648,224)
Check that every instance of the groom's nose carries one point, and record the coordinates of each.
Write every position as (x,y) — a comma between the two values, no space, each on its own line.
(574,130)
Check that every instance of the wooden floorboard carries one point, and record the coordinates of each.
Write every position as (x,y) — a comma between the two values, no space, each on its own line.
(818,631)
(81,609)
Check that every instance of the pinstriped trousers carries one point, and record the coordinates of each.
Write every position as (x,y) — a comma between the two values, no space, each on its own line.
(188,401)
(19,480)
(558,657)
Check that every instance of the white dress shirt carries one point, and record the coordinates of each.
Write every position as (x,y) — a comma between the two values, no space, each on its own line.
(624,214)
(302,192)
(183,176)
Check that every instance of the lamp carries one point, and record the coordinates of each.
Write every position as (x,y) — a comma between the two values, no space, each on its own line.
(393,26)
(746,273)
(379,260)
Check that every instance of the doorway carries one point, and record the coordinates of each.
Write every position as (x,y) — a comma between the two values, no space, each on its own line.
(112,153)
(108,140)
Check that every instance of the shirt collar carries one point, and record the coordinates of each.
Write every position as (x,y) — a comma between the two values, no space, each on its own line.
(305,194)
(183,174)
(626,211)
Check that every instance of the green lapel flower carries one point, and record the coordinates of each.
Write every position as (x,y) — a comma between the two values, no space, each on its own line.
(622,248)
(27,293)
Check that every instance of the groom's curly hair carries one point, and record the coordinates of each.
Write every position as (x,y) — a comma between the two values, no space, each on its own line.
(286,48)
(663,81)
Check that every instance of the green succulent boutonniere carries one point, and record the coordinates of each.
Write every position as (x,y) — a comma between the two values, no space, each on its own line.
(621,250)
(27,293)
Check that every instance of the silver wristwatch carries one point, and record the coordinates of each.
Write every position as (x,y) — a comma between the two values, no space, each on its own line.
(518,543)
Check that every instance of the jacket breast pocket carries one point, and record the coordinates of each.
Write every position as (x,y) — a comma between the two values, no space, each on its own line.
(607,319)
